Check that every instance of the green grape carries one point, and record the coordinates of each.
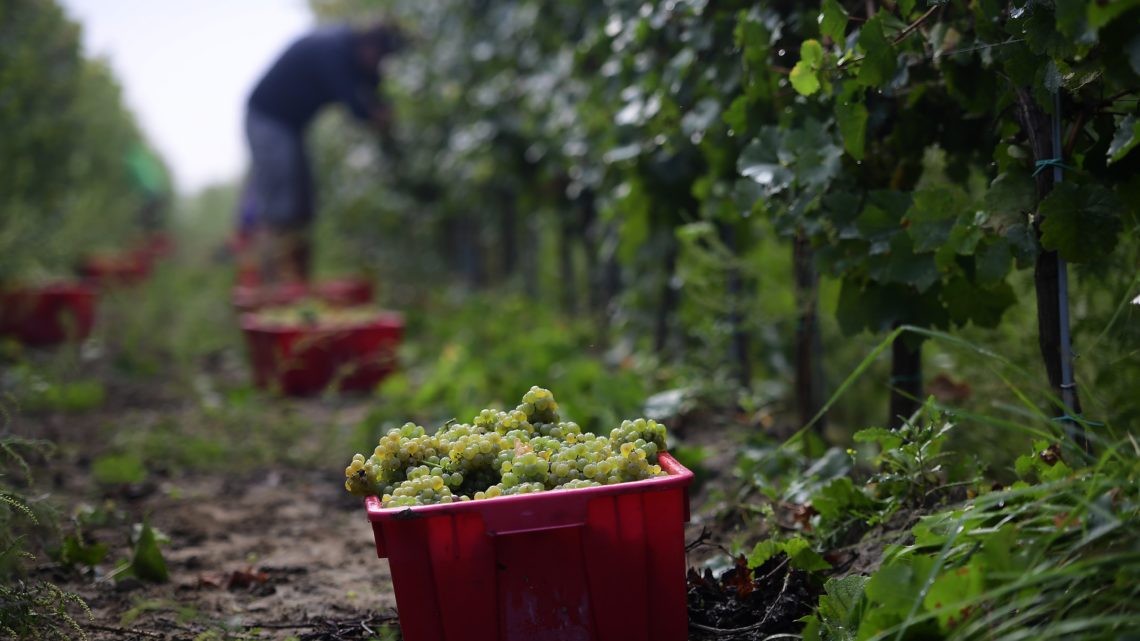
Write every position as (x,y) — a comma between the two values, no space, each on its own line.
(521,451)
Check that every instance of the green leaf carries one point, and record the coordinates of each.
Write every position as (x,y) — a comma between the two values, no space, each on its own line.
(118,469)
(982,306)
(877,226)
(1009,199)
(906,7)
(892,587)
(949,595)
(812,152)
(879,59)
(811,631)
(74,551)
(932,215)
(1071,17)
(754,39)
(964,237)
(843,602)
(1039,28)
(1025,466)
(992,261)
(833,21)
(998,549)
(804,77)
(736,116)
(1081,223)
(800,554)
(147,562)
(852,120)
(886,439)
(901,264)
(763,551)
(811,52)
(1101,13)
(802,557)
(1126,138)
(759,162)
(841,498)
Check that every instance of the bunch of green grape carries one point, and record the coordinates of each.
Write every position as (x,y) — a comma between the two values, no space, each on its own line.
(502,453)
(314,313)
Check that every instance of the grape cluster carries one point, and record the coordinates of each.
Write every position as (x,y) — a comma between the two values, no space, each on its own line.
(311,313)
(502,453)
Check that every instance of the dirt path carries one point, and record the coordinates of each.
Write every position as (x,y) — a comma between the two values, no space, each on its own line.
(267,552)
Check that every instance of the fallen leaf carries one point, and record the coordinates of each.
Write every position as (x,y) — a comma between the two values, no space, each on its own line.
(244,578)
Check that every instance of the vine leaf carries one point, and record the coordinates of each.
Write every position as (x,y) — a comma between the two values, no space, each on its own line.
(992,261)
(804,76)
(1009,198)
(736,116)
(833,20)
(932,216)
(852,120)
(902,264)
(1101,13)
(983,306)
(1080,223)
(879,62)
(1126,138)
(760,164)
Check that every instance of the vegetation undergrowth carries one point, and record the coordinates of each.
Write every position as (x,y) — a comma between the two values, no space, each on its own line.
(495,346)
(915,533)
(29,607)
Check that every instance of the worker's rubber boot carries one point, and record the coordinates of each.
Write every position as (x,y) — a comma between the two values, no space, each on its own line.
(284,255)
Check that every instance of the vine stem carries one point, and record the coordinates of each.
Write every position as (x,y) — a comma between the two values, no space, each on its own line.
(914,25)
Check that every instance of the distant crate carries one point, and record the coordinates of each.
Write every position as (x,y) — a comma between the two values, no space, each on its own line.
(47,314)
(113,269)
(344,292)
(590,564)
(303,359)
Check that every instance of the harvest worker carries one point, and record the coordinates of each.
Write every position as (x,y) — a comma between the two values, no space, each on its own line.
(337,64)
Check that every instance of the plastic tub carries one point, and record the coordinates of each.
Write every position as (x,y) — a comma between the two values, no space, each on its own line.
(48,314)
(115,269)
(156,245)
(344,292)
(301,360)
(599,564)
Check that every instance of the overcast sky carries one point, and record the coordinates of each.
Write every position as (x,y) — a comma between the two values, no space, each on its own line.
(187,66)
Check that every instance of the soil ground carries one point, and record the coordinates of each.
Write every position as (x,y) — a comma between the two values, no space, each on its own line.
(271,553)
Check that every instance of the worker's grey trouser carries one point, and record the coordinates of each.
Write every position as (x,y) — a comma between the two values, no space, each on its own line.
(281,181)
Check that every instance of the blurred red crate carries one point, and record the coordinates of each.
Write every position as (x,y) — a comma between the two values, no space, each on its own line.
(47,314)
(156,245)
(341,292)
(299,360)
(591,564)
(111,269)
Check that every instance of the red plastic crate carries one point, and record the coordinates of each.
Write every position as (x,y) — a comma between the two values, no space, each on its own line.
(342,292)
(302,360)
(156,246)
(48,314)
(117,268)
(591,564)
